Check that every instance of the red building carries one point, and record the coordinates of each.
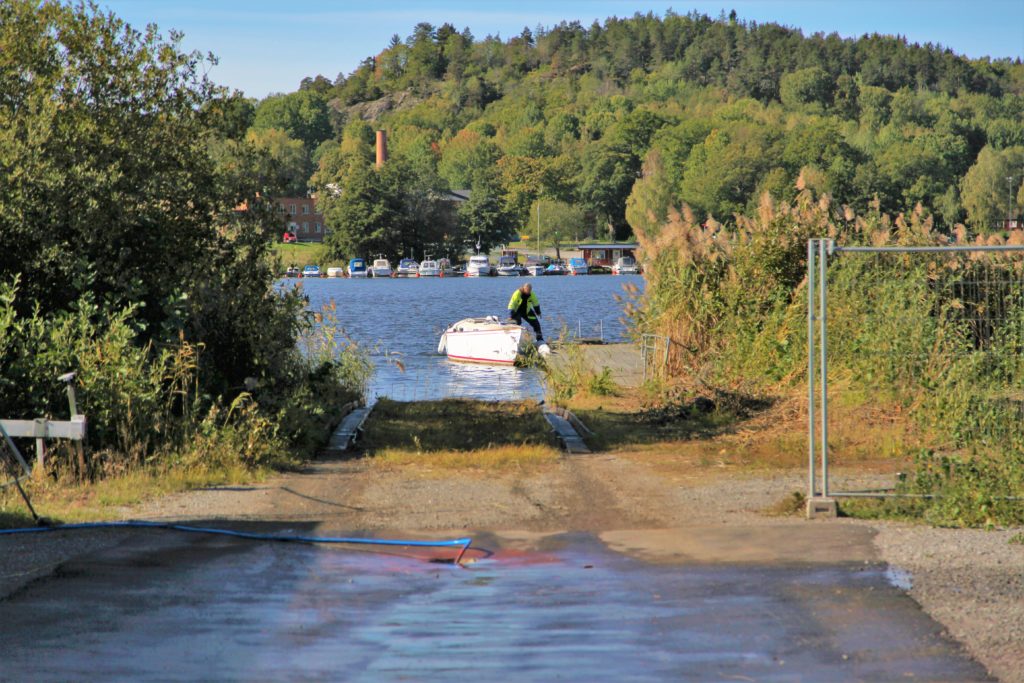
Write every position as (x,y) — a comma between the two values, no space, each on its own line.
(606,254)
(301,218)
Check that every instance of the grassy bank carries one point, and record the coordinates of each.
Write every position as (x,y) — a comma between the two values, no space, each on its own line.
(305,253)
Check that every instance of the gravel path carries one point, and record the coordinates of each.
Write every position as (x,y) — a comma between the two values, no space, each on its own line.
(970,581)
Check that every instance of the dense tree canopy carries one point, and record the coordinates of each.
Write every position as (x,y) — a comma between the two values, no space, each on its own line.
(123,175)
(732,109)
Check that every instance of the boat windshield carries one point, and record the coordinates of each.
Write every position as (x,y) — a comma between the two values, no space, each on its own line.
(478,259)
(381,263)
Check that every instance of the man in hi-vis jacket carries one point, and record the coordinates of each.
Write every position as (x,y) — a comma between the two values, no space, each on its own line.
(524,305)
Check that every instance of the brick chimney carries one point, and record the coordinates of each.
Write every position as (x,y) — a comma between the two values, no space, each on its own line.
(382,148)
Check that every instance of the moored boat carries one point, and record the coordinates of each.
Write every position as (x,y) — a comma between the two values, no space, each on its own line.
(508,266)
(479,266)
(381,268)
(578,266)
(407,267)
(429,268)
(625,265)
(357,268)
(556,268)
(485,340)
(335,271)
(445,266)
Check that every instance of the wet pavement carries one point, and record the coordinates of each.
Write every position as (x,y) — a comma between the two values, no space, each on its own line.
(165,606)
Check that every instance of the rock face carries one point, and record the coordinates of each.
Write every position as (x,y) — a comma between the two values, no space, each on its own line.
(373,111)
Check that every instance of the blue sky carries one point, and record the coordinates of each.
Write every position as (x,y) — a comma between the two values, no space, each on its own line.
(266,46)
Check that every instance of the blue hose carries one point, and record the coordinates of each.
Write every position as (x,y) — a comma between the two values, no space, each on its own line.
(462,543)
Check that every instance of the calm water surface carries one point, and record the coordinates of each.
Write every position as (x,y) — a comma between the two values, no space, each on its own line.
(401,320)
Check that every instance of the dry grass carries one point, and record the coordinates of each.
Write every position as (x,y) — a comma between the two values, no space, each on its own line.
(69,502)
(864,435)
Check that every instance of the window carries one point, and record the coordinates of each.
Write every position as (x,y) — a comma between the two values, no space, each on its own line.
(305,227)
(317,228)
(598,254)
(291,209)
(305,209)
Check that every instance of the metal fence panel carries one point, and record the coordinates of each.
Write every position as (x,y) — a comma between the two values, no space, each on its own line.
(938,330)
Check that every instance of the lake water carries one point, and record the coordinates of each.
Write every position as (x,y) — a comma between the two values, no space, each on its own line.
(400,322)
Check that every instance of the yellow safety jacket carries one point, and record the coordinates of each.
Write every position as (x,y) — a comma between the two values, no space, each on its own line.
(528,307)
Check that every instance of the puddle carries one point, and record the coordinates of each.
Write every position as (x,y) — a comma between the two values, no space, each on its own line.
(899,578)
(577,611)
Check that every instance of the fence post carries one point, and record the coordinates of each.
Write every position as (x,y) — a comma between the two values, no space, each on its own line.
(811,451)
(823,317)
(40,447)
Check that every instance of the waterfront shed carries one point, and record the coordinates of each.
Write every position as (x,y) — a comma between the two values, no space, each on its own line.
(606,253)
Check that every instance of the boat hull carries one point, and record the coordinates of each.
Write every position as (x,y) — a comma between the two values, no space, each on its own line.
(484,340)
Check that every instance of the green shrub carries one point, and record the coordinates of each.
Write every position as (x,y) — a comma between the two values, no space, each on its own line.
(602,384)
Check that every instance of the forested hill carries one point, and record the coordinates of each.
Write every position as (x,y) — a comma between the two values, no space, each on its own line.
(723,110)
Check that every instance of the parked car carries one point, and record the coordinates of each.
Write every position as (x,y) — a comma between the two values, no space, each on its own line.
(289,238)
(311,271)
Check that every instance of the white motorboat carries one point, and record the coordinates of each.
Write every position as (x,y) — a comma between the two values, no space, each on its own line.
(625,265)
(536,269)
(407,267)
(508,266)
(335,271)
(381,268)
(357,268)
(487,340)
(429,268)
(479,266)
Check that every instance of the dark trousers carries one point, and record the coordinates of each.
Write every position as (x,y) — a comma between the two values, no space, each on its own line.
(534,323)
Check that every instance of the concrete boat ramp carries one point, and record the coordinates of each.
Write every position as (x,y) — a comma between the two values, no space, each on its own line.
(566,426)
(185,608)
